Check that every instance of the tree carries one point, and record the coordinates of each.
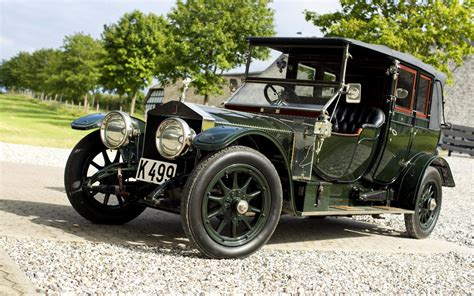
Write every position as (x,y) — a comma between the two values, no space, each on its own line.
(14,73)
(80,68)
(438,32)
(39,70)
(53,79)
(133,47)
(29,71)
(208,37)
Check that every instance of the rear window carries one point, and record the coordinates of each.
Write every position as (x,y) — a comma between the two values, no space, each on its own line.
(423,97)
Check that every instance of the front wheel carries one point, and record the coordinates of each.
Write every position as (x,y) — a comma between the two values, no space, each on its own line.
(231,203)
(87,158)
(427,206)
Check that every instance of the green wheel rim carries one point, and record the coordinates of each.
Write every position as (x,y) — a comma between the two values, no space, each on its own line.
(236,205)
(428,205)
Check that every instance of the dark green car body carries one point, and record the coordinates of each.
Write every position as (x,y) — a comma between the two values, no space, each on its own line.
(374,159)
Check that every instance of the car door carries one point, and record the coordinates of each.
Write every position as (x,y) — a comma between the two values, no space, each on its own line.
(399,138)
(425,136)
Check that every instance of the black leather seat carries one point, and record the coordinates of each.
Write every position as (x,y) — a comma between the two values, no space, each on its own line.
(349,118)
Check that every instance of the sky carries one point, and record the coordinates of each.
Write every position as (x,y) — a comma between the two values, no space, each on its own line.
(28,25)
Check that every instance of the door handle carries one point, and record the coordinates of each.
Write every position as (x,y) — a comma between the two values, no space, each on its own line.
(394,132)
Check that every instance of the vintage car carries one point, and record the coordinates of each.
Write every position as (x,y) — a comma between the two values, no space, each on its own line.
(335,127)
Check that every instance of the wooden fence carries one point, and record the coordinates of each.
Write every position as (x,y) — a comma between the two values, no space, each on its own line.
(458,138)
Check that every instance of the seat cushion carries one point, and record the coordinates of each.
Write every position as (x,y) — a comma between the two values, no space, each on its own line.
(349,118)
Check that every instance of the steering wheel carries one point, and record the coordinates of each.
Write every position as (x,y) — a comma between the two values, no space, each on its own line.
(280,97)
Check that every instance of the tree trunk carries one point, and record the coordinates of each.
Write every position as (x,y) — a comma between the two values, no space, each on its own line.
(132,105)
(206,99)
(86,105)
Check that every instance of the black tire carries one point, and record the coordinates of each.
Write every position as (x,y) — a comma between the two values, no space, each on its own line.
(423,221)
(246,166)
(85,202)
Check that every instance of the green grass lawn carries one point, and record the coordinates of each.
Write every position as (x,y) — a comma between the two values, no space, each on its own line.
(24,120)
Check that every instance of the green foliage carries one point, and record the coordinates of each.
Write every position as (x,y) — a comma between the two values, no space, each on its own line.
(111,102)
(29,71)
(54,83)
(80,67)
(14,72)
(208,37)
(437,32)
(41,69)
(133,46)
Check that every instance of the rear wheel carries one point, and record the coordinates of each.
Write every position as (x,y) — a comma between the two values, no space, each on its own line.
(93,203)
(427,206)
(231,203)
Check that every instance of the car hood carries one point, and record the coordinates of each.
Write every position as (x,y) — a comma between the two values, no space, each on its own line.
(244,119)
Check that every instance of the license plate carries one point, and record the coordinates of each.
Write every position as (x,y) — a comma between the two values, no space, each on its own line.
(154,171)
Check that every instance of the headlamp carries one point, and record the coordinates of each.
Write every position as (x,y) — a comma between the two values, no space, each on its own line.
(173,137)
(116,129)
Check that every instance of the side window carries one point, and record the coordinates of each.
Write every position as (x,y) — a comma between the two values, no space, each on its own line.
(406,80)
(305,73)
(423,97)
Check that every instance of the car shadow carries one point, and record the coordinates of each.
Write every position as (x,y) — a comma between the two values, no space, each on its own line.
(298,229)
(150,227)
(155,227)
(60,189)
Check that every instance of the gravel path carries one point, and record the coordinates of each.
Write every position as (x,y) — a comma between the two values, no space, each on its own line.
(18,153)
(104,268)
(87,268)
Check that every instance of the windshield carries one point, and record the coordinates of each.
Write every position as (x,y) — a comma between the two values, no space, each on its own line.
(302,79)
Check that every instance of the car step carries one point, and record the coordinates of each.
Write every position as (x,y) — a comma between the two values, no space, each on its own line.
(378,195)
(348,210)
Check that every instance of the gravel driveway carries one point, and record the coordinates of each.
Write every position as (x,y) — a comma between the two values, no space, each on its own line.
(59,266)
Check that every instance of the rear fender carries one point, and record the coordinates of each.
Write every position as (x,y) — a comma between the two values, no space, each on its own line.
(410,181)
(93,121)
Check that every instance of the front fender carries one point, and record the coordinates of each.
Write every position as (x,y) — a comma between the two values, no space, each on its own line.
(217,138)
(410,181)
(93,121)
(87,122)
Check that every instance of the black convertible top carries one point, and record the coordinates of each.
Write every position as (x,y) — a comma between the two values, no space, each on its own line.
(283,43)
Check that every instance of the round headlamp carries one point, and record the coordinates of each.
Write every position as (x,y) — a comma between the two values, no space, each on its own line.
(173,137)
(116,129)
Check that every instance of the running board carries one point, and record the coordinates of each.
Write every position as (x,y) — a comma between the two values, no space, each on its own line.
(348,210)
